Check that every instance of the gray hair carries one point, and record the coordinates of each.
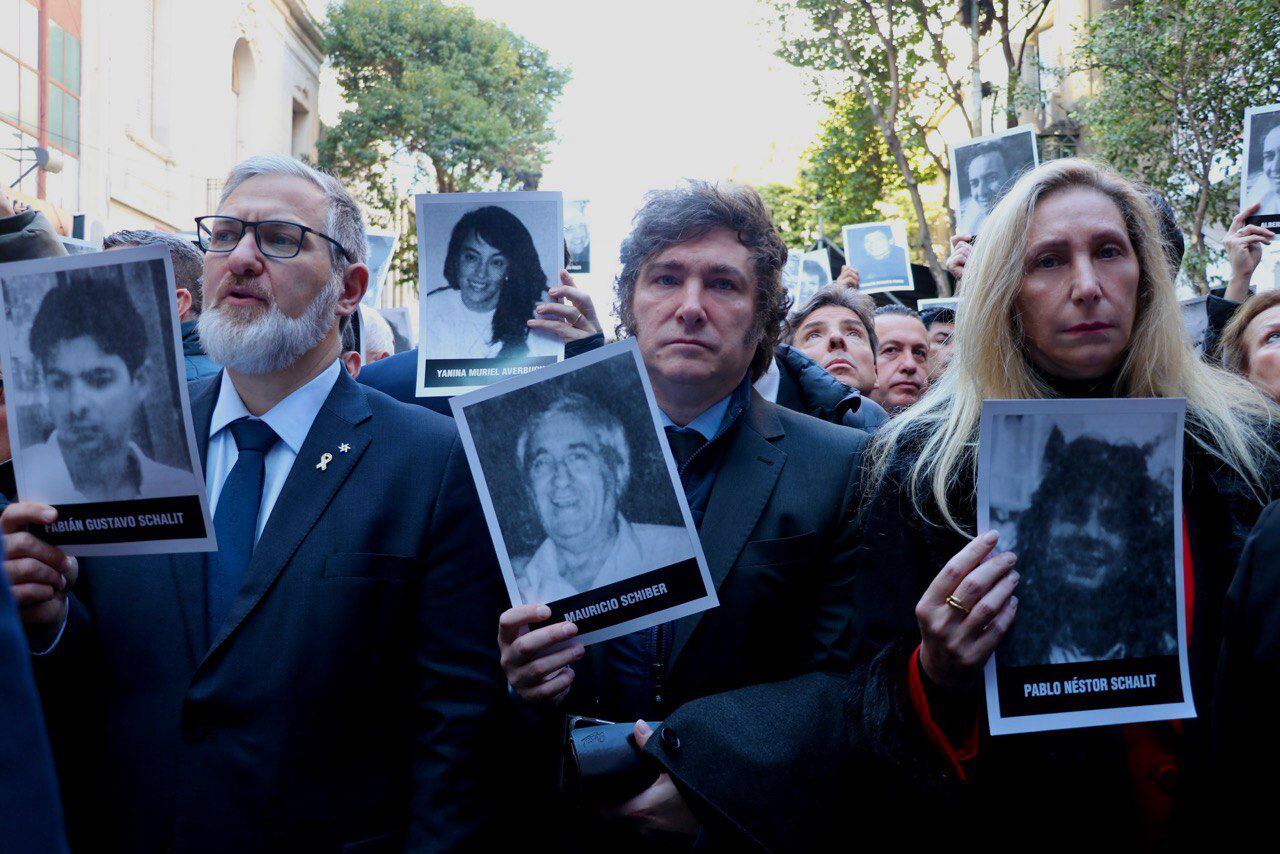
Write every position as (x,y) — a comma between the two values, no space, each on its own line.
(611,439)
(672,217)
(840,297)
(377,332)
(344,222)
(188,266)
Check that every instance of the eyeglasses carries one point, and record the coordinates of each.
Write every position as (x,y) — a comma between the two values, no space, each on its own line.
(579,462)
(275,238)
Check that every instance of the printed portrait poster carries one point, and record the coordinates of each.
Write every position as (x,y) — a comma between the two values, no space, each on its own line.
(878,251)
(577,236)
(791,275)
(1260,177)
(983,170)
(381,247)
(1088,495)
(485,261)
(815,272)
(582,497)
(97,401)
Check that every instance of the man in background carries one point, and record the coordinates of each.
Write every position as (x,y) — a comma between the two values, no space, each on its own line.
(902,358)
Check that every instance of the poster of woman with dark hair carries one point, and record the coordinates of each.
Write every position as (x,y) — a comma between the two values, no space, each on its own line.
(1087,494)
(1260,177)
(485,260)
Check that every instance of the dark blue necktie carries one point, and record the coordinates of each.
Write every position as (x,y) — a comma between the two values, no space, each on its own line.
(236,519)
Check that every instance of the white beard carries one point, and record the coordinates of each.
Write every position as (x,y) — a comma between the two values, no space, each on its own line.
(270,343)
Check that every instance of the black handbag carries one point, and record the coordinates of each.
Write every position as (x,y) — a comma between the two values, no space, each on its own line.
(602,761)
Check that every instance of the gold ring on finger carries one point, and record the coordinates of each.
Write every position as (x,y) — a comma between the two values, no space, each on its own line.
(957,604)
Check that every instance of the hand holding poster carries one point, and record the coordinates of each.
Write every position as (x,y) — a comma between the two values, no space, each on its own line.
(878,251)
(582,497)
(485,260)
(983,170)
(1088,495)
(97,401)
(1260,177)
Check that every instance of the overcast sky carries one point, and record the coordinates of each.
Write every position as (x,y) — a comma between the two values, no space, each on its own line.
(661,91)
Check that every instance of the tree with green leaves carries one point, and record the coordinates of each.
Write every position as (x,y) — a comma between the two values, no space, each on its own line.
(895,56)
(1173,78)
(460,102)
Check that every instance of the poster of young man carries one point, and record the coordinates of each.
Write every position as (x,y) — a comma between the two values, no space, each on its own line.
(983,169)
(1260,177)
(97,403)
(1088,495)
(382,249)
(878,251)
(582,497)
(815,271)
(577,236)
(485,260)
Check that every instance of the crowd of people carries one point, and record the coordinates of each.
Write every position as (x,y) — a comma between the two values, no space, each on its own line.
(330,679)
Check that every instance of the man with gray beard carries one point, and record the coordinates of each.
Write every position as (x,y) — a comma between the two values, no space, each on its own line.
(324,680)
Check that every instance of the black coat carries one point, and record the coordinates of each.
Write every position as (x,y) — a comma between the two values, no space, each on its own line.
(804,386)
(1048,785)
(1247,699)
(347,697)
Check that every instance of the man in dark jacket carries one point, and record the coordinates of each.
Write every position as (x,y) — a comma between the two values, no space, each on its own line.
(772,492)
(188,273)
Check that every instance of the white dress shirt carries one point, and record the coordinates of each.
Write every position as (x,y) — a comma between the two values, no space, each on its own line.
(291,418)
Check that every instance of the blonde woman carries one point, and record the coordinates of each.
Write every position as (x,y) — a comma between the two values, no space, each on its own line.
(1068,294)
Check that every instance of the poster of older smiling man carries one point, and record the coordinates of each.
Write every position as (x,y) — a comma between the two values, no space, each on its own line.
(97,395)
(485,261)
(582,496)
(1087,495)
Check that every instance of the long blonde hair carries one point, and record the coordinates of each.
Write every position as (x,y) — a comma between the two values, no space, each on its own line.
(1225,415)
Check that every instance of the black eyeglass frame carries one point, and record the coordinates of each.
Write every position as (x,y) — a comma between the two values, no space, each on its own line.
(246,225)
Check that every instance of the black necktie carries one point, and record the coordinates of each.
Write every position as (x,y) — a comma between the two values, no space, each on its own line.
(684,442)
(236,519)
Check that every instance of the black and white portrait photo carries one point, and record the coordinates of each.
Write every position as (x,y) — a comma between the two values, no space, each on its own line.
(1260,177)
(97,402)
(1086,494)
(382,250)
(485,260)
(577,236)
(581,497)
(983,169)
(878,251)
(791,273)
(815,271)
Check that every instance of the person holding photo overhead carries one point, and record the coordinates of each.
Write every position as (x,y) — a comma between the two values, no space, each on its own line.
(90,344)
(1079,301)
(493,282)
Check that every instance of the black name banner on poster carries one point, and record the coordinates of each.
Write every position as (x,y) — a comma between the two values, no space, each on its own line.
(136,520)
(471,372)
(1271,222)
(1088,685)
(637,596)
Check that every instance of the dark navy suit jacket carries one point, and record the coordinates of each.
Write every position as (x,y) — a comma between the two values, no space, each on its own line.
(344,703)
(30,812)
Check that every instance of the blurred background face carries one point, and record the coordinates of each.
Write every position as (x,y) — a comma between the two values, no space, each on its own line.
(987,177)
(1262,344)
(574,489)
(91,398)
(1079,294)
(902,365)
(694,308)
(482,269)
(1271,158)
(834,337)
(941,346)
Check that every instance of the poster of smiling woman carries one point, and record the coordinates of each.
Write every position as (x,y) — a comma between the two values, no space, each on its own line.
(97,403)
(485,261)
(1088,495)
(582,497)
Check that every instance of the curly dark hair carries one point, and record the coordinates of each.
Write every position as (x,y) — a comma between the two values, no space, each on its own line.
(671,217)
(525,282)
(93,306)
(1136,605)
